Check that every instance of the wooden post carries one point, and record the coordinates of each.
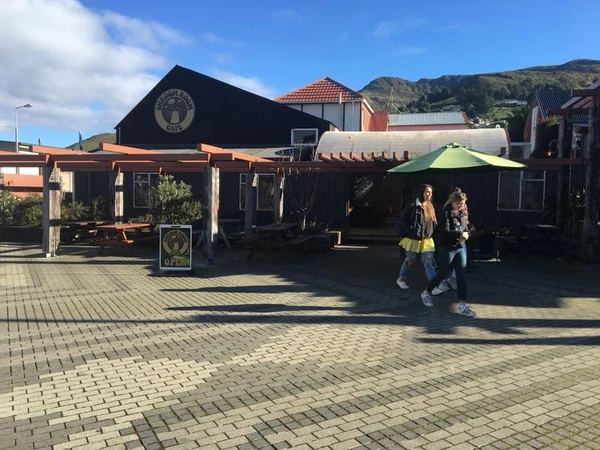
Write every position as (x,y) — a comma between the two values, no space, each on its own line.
(592,185)
(278,197)
(564,151)
(116,194)
(51,211)
(249,207)
(211,213)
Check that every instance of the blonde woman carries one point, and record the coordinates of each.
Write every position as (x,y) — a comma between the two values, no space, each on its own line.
(451,253)
(418,223)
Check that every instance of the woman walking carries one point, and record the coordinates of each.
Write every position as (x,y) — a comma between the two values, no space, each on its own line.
(418,223)
(451,254)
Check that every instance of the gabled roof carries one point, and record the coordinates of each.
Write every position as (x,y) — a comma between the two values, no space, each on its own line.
(548,100)
(324,90)
(433,118)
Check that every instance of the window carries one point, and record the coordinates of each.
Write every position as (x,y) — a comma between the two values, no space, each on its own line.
(305,136)
(521,191)
(265,194)
(142,185)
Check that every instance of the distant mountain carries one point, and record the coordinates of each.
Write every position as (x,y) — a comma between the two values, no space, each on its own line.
(93,142)
(398,95)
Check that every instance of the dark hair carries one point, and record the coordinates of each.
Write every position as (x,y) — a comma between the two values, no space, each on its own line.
(421,191)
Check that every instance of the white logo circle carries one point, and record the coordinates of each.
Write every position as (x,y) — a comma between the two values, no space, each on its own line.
(174,110)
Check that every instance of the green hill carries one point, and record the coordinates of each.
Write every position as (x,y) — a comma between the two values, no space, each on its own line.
(93,142)
(463,91)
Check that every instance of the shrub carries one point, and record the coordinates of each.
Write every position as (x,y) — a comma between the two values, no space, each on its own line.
(28,212)
(97,208)
(172,202)
(7,207)
(73,212)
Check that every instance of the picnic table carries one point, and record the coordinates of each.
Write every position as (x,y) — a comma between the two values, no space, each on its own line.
(276,235)
(228,229)
(116,234)
(544,239)
(70,231)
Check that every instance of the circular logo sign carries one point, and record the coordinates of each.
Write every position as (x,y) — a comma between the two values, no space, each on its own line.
(175,242)
(174,110)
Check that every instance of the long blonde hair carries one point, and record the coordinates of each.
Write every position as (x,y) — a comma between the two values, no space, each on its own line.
(456,196)
(428,209)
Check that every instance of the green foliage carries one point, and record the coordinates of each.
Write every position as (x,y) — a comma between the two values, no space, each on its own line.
(520,84)
(97,208)
(28,212)
(73,212)
(314,227)
(516,123)
(547,131)
(172,202)
(93,142)
(8,203)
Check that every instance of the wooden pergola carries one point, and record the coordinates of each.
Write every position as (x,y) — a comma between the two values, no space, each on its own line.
(586,101)
(117,159)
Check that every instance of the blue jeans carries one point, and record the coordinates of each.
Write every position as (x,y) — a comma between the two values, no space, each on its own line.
(448,259)
(466,256)
(426,259)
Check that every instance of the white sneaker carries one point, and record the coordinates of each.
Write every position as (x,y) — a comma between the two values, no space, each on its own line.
(427,300)
(441,288)
(466,311)
(451,281)
(402,284)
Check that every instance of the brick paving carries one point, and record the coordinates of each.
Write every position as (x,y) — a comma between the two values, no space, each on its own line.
(324,352)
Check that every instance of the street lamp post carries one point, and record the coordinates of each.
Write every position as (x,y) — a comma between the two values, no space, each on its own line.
(28,105)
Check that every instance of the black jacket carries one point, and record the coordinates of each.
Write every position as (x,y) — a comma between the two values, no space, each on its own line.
(452,224)
(412,221)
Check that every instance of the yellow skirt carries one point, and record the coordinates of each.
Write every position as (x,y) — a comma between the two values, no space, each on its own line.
(412,245)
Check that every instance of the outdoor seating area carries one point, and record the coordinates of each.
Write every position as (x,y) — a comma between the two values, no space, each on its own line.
(283,236)
(124,235)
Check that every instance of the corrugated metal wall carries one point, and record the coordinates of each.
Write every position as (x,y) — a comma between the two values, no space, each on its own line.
(331,197)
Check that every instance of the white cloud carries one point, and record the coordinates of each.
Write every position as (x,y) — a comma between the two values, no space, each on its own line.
(214,39)
(78,68)
(388,28)
(223,58)
(253,85)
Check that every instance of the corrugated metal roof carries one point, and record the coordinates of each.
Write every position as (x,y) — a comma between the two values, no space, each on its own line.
(320,91)
(434,118)
(488,140)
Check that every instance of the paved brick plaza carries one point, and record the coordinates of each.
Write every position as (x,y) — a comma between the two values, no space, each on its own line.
(326,352)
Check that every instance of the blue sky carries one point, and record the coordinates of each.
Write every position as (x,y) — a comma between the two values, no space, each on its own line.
(85,64)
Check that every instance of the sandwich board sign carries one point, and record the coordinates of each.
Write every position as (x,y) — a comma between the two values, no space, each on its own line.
(175,249)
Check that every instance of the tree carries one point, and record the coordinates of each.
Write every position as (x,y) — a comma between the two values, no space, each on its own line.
(516,123)
(546,135)
(172,202)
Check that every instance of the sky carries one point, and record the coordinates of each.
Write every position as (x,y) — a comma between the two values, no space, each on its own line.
(84,64)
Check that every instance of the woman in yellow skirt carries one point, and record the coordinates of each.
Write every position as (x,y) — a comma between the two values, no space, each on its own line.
(418,223)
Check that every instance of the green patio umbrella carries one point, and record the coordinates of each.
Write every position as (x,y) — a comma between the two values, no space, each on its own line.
(456,158)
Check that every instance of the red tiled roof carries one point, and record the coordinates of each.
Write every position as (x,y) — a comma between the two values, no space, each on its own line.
(324,90)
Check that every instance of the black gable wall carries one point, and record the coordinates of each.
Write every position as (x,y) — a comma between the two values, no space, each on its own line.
(223,116)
